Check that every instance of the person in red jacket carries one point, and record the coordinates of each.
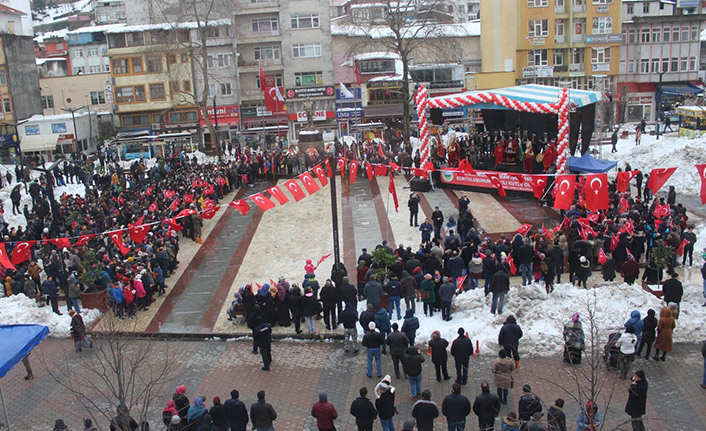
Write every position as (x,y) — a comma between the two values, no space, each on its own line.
(324,412)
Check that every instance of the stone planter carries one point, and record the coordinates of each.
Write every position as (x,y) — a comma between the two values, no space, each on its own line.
(97,300)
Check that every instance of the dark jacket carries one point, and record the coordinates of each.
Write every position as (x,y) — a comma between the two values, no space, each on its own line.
(393,288)
(446,292)
(372,340)
(486,406)
(181,404)
(410,325)
(556,419)
(349,293)
(310,306)
(218,416)
(382,320)
(386,405)
(637,399)
(365,318)
(329,296)
(263,335)
(510,333)
(398,343)
(528,405)
(526,253)
(425,411)
(456,407)
(462,348)
(349,316)
(412,362)
(438,350)
(236,414)
(673,291)
(364,412)
(262,414)
(649,327)
(373,291)
(500,283)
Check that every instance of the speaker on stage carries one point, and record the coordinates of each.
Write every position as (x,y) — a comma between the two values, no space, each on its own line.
(419,185)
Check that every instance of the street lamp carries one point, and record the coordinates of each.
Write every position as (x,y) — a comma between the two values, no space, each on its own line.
(659,102)
(73,121)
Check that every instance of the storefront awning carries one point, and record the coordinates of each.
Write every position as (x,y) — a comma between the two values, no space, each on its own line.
(35,143)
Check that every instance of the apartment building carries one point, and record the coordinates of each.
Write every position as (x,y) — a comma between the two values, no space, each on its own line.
(109,11)
(52,53)
(660,45)
(270,34)
(88,49)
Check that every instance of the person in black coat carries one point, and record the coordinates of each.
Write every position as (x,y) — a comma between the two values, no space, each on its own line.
(461,350)
(439,357)
(329,298)
(349,320)
(673,289)
(410,325)
(263,340)
(609,268)
(236,412)
(385,405)
(398,346)
(349,293)
(364,411)
(456,407)
(425,411)
(649,333)
(294,298)
(486,406)
(529,404)
(366,317)
(218,414)
(637,400)
(509,337)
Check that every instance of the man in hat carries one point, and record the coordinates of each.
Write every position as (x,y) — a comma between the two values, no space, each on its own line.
(59,425)
(673,291)
(637,400)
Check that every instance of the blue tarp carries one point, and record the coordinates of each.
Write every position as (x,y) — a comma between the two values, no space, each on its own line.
(17,342)
(587,163)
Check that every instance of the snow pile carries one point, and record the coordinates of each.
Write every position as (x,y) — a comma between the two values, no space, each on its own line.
(19,309)
(15,220)
(542,316)
(668,151)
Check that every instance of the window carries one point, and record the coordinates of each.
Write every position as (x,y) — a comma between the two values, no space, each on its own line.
(130,94)
(157,91)
(211,90)
(171,59)
(377,66)
(185,58)
(665,65)
(186,86)
(537,57)
(674,67)
(174,88)
(95,68)
(226,89)
(31,130)
(577,56)
(692,63)
(675,34)
(579,26)
(656,35)
(136,64)
(537,3)
(97,98)
(644,66)
(3,77)
(58,128)
(154,64)
(116,40)
(6,105)
(209,61)
(305,50)
(600,55)
(303,79)
(666,33)
(135,39)
(270,52)
(559,26)
(180,117)
(684,64)
(135,120)
(630,9)
(538,28)
(305,21)
(264,25)
(602,25)
(621,68)
(655,65)
(685,33)
(79,70)
(78,52)
(107,67)
(279,81)
(218,31)
(645,35)
(121,66)
(223,61)
(631,35)
(92,52)
(558,57)
(631,66)
(694,33)
(646,7)
(47,102)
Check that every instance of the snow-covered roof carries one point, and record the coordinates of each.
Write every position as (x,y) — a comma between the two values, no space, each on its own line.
(61,11)
(41,61)
(10,10)
(377,55)
(167,26)
(466,29)
(39,117)
(97,28)
(58,34)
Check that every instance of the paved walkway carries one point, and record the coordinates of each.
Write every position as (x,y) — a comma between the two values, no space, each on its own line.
(300,370)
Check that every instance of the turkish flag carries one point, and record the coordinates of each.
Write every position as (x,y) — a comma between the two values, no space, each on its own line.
(83,240)
(421,173)
(380,151)
(153,207)
(583,233)
(274,99)
(309,184)
(369,170)
(466,167)
(138,233)
(321,175)
(380,170)
(680,250)
(702,175)
(60,242)
(547,232)
(241,205)
(4,260)
(661,210)
(460,280)
(601,256)
(149,190)
(174,205)
(341,166)
(629,253)
(597,192)
(221,181)
(188,199)
(295,189)
(207,203)
(278,194)
(629,226)
(594,217)
(263,202)
(394,167)
(522,230)
(169,194)
(623,180)
(327,165)
(558,227)
(22,251)
(539,183)
(511,262)
(186,212)
(564,186)
(117,238)
(172,223)
(210,212)
(658,177)
(623,205)
(393,191)
(613,242)
(121,200)
(353,170)
(495,181)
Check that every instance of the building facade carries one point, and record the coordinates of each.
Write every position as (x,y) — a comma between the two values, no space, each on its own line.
(109,11)
(88,49)
(52,134)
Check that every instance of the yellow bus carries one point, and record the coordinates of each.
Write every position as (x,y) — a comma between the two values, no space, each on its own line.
(692,121)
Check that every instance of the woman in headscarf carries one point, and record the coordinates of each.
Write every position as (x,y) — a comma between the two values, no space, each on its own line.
(665,327)
(196,413)
(574,340)
(168,412)
(589,418)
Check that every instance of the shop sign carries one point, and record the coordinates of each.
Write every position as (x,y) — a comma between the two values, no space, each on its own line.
(538,72)
(349,113)
(304,92)
(600,67)
(384,84)
(300,116)
(517,182)
(604,38)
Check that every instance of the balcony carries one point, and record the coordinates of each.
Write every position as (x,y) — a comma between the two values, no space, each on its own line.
(250,65)
(254,6)
(576,67)
(579,8)
(560,39)
(559,9)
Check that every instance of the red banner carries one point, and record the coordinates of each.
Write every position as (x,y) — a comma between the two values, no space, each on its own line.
(509,181)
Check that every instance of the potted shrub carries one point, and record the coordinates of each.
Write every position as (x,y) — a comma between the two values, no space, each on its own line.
(94,292)
(382,261)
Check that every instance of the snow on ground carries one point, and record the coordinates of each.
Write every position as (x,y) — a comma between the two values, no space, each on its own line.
(542,316)
(19,309)
(668,151)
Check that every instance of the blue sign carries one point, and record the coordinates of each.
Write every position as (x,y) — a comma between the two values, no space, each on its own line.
(354,90)
(349,113)
(453,112)
(7,140)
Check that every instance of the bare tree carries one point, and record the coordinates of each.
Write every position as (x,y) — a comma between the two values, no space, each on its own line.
(119,375)
(403,27)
